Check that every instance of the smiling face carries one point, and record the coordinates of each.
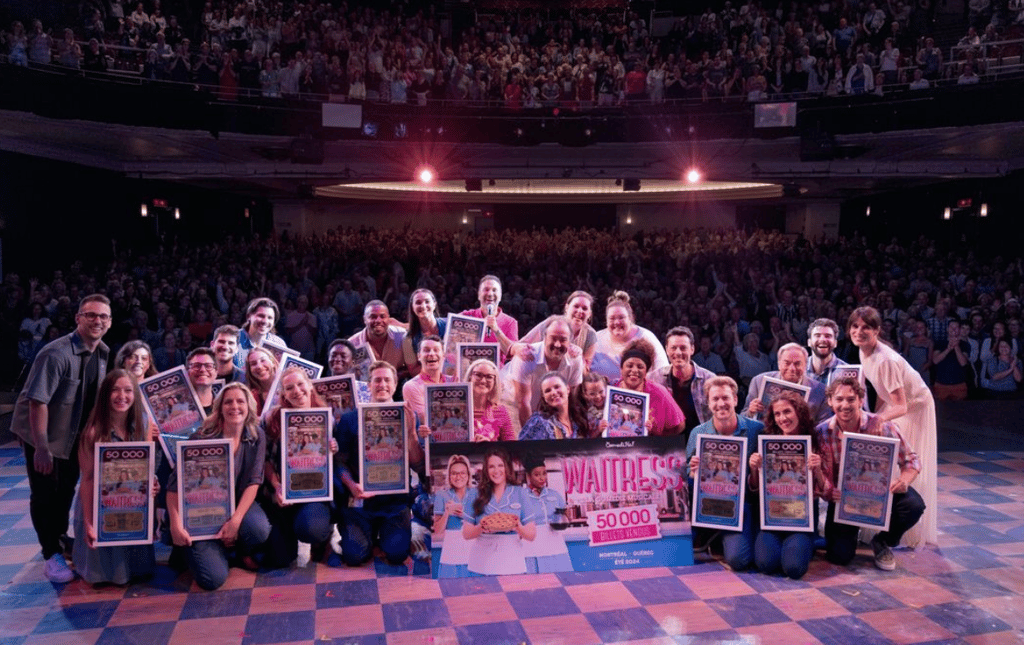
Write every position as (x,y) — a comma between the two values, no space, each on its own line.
(555,392)
(556,340)
(382,385)
(822,342)
(862,335)
(122,395)
(496,470)
(423,304)
(233,407)
(458,476)
(260,365)
(376,319)
(619,322)
(93,320)
(137,362)
(594,393)
(261,322)
(792,365)
(430,356)
(489,293)
(202,369)
(634,373)
(679,349)
(846,405)
(579,311)
(225,346)
(296,390)
(340,360)
(785,416)
(483,378)
(722,402)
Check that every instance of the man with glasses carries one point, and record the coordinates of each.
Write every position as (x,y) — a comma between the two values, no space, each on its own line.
(201,364)
(49,416)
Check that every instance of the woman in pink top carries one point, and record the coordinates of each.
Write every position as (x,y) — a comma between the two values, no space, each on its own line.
(491,420)
(663,416)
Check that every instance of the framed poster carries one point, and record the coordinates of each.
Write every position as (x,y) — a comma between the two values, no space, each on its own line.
(847,371)
(206,486)
(626,412)
(771,388)
(450,412)
(362,359)
(307,472)
(461,329)
(279,350)
(719,486)
(216,387)
(173,405)
(338,392)
(312,370)
(866,472)
(469,352)
(383,455)
(787,491)
(123,498)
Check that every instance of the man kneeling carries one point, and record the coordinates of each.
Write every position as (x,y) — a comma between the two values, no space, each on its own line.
(846,396)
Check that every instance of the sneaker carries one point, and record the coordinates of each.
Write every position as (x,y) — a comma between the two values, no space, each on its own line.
(884,559)
(57,569)
(335,540)
(305,553)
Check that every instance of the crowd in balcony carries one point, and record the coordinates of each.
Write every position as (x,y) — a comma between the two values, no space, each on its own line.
(522,59)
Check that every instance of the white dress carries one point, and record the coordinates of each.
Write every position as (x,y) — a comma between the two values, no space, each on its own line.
(887,372)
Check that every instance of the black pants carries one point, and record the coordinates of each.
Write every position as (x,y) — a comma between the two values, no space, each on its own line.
(50,500)
(841,539)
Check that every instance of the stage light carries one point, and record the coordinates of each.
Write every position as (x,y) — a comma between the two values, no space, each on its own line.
(465,219)
(177,213)
(984,210)
(867,211)
(247,213)
(693,175)
(629,219)
(144,210)
(425,174)
(946,214)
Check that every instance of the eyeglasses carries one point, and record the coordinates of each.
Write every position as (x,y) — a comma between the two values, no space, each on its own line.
(207,367)
(92,316)
(484,377)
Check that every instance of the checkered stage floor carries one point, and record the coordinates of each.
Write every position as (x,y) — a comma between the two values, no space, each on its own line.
(971,590)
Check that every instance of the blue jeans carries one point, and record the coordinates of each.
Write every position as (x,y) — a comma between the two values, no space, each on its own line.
(738,546)
(389,526)
(208,559)
(841,539)
(303,522)
(787,551)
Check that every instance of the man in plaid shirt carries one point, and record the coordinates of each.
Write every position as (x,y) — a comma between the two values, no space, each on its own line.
(846,396)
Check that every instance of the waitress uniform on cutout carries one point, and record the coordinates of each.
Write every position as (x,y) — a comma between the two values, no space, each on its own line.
(547,553)
(455,549)
(495,554)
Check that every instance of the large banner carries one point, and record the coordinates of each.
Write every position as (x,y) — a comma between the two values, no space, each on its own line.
(596,504)
(866,471)
(174,407)
(123,499)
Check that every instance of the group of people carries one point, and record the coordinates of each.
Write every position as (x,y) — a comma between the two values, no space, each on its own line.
(577,57)
(554,388)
